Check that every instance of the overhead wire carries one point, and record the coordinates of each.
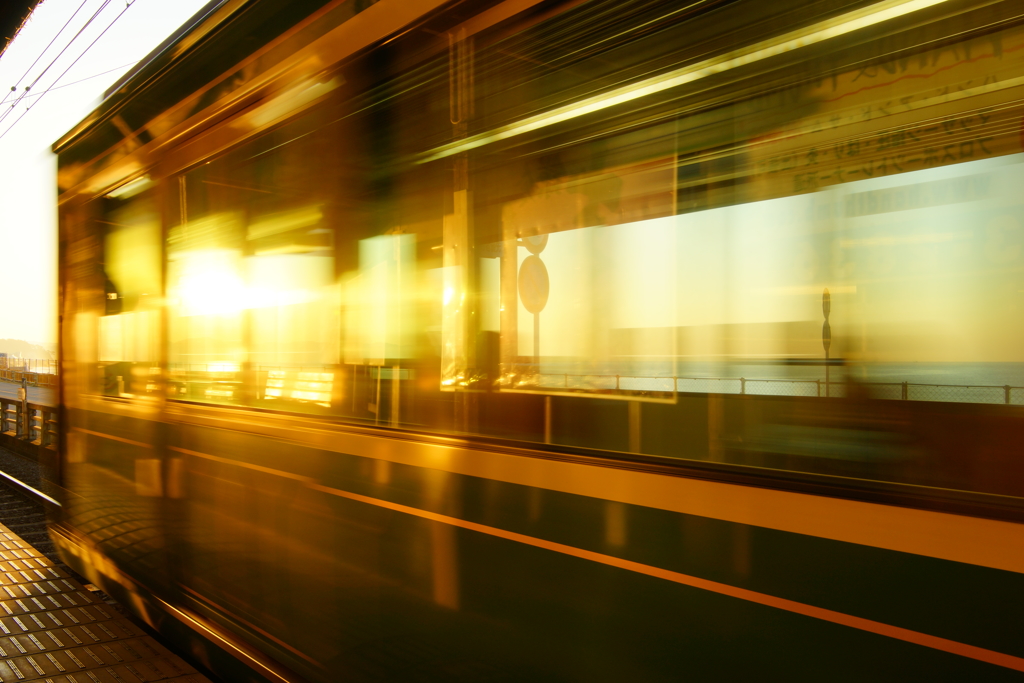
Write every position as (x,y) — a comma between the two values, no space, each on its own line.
(95,14)
(80,80)
(128,4)
(70,42)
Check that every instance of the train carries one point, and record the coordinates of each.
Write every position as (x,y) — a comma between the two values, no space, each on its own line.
(554,340)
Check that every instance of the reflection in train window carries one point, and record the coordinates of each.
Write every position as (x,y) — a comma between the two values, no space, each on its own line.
(632,254)
(128,331)
(251,280)
(508,235)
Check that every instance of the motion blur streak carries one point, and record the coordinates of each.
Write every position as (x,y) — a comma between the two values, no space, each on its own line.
(556,341)
(826,30)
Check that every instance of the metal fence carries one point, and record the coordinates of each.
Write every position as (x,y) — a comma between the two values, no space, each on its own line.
(34,378)
(759,386)
(959,393)
(709,385)
(905,391)
(37,372)
(42,366)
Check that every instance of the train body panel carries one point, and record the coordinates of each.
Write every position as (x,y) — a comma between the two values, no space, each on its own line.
(350,560)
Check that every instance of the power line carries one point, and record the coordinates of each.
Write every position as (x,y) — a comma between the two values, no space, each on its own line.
(48,46)
(80,80)
(54,60)
(73,39)
(52,85)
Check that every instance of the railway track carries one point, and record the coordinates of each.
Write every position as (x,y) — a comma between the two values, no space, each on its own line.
(21,508)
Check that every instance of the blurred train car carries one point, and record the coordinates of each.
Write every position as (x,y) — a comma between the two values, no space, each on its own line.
(562,340)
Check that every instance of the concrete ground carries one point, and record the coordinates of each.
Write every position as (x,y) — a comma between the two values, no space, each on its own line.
(45,395)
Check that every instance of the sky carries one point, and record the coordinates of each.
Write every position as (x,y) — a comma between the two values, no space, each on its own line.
(72,69)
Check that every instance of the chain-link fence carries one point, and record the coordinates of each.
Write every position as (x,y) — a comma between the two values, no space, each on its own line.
(782,387)
(660,384)
(949,393)
(709,385)
(892,391)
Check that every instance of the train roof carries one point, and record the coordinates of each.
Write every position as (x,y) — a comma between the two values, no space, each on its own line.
(194,58)
(231,56)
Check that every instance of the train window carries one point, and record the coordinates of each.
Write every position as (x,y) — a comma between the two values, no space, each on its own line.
(128,329)
(818,237)
(792,226)
(593,229)
(251,279)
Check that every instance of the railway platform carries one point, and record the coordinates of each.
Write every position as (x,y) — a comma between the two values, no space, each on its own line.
(53,628)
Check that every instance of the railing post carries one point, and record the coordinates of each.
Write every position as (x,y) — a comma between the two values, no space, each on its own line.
(616,382)
(32,425)
(1006,391)
(26,425)
(904,392)
(743,386)
(818,382)
(51,430)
